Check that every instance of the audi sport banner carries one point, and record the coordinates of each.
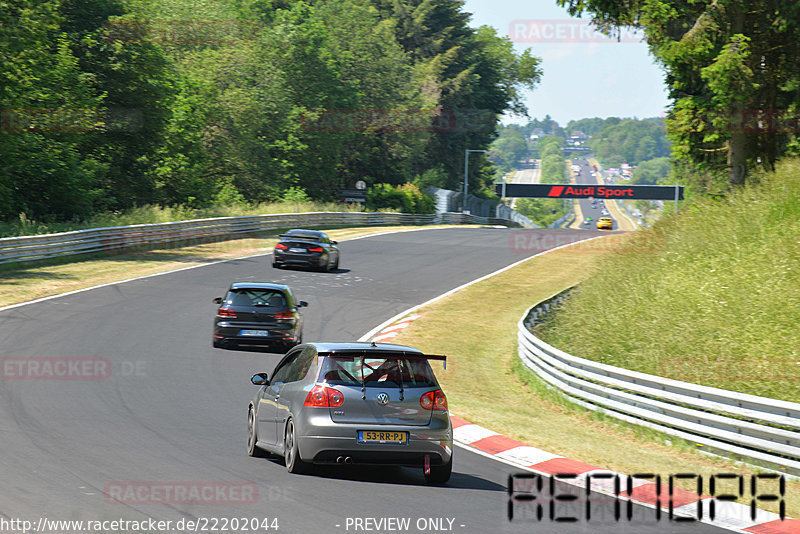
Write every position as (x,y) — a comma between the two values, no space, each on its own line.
(645,192)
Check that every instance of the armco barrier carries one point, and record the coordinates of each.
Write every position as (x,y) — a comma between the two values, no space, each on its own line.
(99,240)
(755,429)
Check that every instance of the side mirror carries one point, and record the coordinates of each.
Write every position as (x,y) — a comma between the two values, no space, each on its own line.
(217,300)
(302,304)
(334,242)
(260,379)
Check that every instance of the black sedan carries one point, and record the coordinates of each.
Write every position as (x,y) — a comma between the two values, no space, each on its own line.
(255,313)
(310,248)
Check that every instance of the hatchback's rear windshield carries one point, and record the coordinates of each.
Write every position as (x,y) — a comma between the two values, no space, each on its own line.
(256,297)
(377,371)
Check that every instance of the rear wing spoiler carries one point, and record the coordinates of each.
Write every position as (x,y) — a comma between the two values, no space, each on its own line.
(441,358)
(387,354)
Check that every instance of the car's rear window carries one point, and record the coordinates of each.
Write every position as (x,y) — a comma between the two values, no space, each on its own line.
(256,297)
(377,371)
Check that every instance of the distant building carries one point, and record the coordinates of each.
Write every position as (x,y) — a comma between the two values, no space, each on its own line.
(578,136)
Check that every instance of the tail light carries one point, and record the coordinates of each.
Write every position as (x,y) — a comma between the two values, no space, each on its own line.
(226,312)
(284,315)
(434,400)
(281,246)
(324,397)
(315,249)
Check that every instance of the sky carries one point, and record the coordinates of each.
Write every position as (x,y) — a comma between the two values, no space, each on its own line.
(584,74)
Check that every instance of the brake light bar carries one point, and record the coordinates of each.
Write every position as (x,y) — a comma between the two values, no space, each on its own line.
(281,246)
(315,249)
(226,312)
(284,315)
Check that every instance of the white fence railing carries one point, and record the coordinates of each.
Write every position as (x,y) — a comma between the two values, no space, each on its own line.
(178,234)
(755,429)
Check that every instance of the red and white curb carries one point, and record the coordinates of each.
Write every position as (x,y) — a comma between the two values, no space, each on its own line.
(728,515)
(388,333)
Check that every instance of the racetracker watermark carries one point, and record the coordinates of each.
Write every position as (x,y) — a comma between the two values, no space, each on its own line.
(199,493)
(70,120)
(65,368)
(533,241)
(398,120)
(574,497)
(566,31)
(180,32)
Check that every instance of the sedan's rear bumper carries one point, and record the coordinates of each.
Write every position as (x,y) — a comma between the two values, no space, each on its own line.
(312,259)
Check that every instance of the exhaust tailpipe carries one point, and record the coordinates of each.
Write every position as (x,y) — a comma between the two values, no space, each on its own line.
(340,460)
(348,460)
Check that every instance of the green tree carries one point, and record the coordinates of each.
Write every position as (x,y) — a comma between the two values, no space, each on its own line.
(731,71)
(587,126)
(47,104)
(652,171)
(132,79)
(630,140)
(509,149)
(469,76)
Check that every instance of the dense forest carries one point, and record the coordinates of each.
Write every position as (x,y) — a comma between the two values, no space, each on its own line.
(630,141)
(109,104)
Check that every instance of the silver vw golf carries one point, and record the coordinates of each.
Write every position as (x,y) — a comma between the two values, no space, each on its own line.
(353,403)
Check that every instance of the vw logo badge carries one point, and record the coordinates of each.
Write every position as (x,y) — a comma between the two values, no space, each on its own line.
(383,399)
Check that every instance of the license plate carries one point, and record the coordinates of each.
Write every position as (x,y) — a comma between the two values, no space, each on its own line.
(383,436)
(298,250)
(254,333)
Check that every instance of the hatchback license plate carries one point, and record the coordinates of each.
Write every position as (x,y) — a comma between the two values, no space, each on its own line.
(298,250)
(254,333)
(375,436)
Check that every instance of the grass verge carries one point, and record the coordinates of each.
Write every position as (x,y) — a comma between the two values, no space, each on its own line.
(486,384)
(716,302)
(24,283)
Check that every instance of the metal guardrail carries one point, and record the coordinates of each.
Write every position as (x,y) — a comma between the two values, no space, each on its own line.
(447,201)
(183,233)
(466,218)
(755,429)
(504,212)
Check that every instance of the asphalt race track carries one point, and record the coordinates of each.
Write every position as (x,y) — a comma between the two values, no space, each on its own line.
(586,178)
(154,423)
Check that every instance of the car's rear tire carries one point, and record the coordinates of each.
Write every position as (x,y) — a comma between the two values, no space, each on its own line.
(252,436)
(336,264)
(291,455)
(440,473)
